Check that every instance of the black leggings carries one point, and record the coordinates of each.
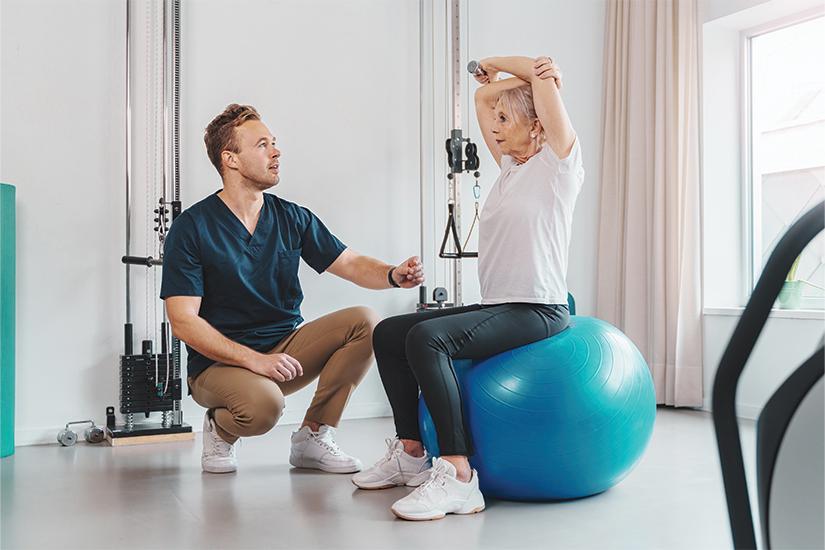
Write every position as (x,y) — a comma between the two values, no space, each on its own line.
(416,351)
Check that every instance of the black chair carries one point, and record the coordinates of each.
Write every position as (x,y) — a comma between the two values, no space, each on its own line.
(789,445)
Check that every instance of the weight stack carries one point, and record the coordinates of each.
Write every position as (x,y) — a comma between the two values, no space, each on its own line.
(7,317)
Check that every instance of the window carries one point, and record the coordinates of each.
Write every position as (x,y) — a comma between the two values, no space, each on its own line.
(786,154)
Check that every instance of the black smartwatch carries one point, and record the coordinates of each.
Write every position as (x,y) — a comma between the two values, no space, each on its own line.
(391,280)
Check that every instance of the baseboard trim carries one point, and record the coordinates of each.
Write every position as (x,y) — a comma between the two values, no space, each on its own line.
(354,411)
(743,412)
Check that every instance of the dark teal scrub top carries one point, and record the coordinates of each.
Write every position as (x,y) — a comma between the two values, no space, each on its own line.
(248,283)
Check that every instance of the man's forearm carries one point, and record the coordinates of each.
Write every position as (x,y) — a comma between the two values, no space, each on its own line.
(202,336)
(371,273)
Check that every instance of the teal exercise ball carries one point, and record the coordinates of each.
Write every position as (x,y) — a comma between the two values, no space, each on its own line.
(562,418)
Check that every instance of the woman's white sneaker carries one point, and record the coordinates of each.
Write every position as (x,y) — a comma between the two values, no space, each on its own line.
(218,456)
(319,451)
(394,469)
(440,495)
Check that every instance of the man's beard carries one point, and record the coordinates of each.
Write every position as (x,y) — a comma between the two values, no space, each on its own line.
(263,185)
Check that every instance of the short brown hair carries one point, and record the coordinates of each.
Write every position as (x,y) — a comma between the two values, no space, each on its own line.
(219,136)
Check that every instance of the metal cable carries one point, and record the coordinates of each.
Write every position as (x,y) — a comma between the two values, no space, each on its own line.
(128,166)
(148,51)
(176,98)
(174,346)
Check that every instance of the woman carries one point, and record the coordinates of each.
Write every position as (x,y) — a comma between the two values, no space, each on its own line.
(524,235)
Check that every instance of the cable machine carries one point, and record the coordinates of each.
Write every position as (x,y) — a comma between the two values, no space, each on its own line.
(462,156)
(150,380)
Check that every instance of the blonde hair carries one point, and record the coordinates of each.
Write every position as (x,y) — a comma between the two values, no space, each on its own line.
(519,103)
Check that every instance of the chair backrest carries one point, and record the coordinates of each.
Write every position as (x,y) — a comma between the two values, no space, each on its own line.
(790,471)
(786,418)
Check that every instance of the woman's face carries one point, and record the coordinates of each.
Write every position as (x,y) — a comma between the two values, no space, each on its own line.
(510,132)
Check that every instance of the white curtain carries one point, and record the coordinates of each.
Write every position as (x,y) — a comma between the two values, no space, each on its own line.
(649,257)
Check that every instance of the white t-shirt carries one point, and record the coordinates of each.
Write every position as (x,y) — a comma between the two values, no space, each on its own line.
(524,229)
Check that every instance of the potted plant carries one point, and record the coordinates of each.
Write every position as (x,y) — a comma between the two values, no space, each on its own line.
(790,297)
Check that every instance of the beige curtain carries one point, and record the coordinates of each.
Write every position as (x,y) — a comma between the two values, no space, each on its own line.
(649,279)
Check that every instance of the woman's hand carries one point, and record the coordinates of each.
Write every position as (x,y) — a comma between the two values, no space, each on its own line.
(545,68)
(488,75)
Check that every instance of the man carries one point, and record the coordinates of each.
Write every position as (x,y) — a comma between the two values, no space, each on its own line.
(230,282)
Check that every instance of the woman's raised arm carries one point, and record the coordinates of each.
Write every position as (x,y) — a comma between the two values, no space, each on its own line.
(550,109)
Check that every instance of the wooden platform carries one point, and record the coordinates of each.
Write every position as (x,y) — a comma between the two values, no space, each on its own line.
(149,439)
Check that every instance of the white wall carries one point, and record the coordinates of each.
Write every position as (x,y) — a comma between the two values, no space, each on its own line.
(724,206)
(714,9)
(62,146)
(788,338)
(783,345)
(332,80)
(338,84)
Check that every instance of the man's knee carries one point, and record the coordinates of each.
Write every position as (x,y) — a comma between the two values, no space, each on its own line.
(260,413)
(365,318)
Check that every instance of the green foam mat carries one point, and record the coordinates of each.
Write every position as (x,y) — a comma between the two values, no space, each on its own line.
(7,317)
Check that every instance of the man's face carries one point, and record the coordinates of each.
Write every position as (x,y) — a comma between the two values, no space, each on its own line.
(257,159)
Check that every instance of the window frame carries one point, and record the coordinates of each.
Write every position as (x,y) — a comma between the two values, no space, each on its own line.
(751,193)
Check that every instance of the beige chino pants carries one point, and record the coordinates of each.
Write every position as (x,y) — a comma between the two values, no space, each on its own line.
(335,348)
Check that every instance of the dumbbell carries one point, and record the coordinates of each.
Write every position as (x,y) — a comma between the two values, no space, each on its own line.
(474,67)
(93,434)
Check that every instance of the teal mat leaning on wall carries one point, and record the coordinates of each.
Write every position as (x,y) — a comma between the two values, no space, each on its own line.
(7,295)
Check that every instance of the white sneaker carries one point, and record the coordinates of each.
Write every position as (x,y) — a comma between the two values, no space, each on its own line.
(318,450)
(440,495)
(396,468)
(218,456)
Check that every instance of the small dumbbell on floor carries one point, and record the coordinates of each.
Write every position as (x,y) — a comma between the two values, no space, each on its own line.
(93,434)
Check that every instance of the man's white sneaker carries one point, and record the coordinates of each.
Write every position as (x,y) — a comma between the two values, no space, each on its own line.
(440,495)
(394,469)
(218,456)
(318,450)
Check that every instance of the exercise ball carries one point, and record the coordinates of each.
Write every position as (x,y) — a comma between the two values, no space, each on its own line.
(562,418)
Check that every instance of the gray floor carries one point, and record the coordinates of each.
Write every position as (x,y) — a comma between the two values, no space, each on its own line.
(155,496)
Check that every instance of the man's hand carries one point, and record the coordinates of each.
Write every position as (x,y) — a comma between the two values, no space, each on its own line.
(409,274)
(279,367)
(545,68)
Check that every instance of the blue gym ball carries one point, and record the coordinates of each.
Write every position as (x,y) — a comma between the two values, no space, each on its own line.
(562,418)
